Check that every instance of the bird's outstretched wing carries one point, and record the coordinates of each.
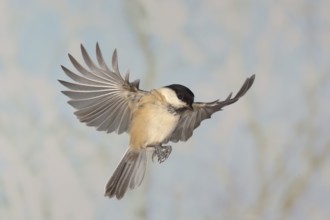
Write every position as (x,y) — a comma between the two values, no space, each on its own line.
(191,119)
(101,96)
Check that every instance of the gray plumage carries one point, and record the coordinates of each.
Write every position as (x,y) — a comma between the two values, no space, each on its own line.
(101,97)
(190,120)
(128,174)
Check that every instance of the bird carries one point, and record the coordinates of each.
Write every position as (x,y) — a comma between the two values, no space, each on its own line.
(104,99)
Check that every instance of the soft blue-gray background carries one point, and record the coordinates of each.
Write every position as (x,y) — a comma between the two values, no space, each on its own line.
(265,157)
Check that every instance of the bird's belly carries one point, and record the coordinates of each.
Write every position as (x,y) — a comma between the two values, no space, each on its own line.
(152,127)
(161,127)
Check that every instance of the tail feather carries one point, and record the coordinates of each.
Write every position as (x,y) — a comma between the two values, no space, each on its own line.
(128,174)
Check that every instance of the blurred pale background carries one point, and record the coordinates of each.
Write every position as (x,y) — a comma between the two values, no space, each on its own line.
(265,157)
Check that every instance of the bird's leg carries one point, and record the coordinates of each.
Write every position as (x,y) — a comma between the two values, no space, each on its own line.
(162,152)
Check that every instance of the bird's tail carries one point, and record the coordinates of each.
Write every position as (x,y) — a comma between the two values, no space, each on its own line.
(128,174)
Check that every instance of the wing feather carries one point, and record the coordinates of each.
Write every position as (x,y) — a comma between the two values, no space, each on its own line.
(101,97)
(191,119)
(81,87)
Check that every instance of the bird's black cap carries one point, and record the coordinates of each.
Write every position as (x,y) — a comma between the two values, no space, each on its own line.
(183,93)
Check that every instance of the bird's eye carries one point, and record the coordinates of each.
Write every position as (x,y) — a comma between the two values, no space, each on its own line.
(180,96)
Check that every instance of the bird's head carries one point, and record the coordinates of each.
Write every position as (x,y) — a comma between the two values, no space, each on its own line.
(178,96)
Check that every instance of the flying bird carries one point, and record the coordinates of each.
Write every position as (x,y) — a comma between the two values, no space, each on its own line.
(103,99)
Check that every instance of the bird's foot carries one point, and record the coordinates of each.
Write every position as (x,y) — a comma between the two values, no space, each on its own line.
(162,152)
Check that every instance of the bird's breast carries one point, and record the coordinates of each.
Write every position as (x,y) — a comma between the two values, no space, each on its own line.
(152,123)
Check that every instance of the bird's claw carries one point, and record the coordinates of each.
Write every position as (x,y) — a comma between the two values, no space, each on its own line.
(162,152)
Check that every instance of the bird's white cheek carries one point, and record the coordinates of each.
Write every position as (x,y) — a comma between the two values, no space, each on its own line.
(171,98)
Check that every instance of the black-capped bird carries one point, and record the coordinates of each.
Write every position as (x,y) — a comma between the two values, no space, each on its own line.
(104,99)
